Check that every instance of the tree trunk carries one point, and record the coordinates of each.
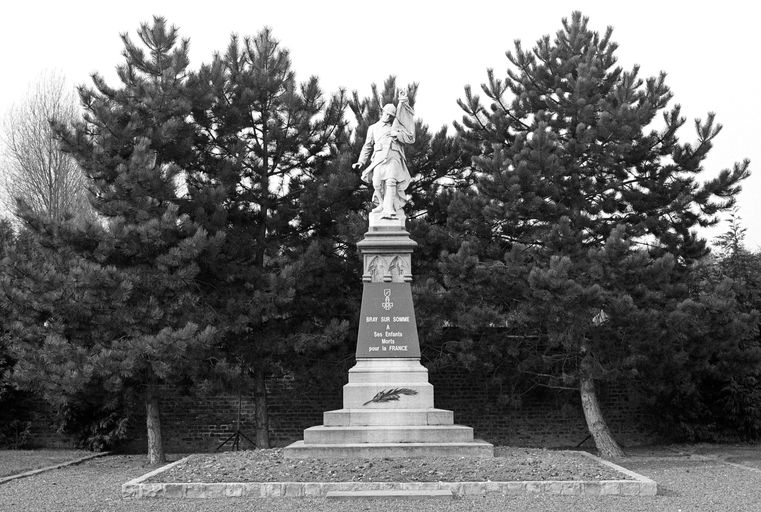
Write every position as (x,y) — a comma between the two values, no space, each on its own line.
(606,445)
(260,411)
(153,423)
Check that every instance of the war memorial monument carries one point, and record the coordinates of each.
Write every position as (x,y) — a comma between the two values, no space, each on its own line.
(388,407)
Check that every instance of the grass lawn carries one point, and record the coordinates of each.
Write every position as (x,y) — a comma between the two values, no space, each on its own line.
(18,461)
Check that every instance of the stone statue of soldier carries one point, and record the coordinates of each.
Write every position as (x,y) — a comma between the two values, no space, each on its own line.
(384,149)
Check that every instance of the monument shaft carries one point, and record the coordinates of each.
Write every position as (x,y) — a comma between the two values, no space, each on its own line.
(387,322)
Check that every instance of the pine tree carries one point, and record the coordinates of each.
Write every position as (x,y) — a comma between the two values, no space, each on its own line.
(731,395)
(732,241)
(583,214)
(265,176)
(125,315)
(737,263)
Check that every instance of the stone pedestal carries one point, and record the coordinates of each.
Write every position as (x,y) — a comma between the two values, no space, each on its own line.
(388,408)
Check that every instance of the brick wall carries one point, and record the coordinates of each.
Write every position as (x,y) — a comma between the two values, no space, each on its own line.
(546,418)
(25,407)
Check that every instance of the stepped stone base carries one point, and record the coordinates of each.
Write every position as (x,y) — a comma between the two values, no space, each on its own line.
(375,417)
(407,426)
(388,434)
(301,450)
(388,406)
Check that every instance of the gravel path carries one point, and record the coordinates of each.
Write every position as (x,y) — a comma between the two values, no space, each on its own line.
(685,483)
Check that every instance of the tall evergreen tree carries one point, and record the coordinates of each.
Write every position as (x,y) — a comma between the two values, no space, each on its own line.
(732,241)
(126,315)
(582,213)
(264,175)
(720,398)
(739,264)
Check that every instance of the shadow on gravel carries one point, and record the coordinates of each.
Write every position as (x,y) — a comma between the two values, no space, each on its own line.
(753,462)
(666,491)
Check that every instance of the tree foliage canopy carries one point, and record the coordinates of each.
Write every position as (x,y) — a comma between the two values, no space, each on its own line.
(577,236)
(570,135)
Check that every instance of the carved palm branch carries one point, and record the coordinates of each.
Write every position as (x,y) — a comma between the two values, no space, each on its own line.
(391,395)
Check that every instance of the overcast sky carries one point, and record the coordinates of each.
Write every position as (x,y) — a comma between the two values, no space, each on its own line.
(708,49)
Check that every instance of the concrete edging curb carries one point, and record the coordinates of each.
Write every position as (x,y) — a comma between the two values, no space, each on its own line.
(638,486)
(649,486)
(51,468)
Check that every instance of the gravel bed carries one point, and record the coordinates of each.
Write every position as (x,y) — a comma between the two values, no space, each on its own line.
(13,462)
(683,484)
(508,464)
